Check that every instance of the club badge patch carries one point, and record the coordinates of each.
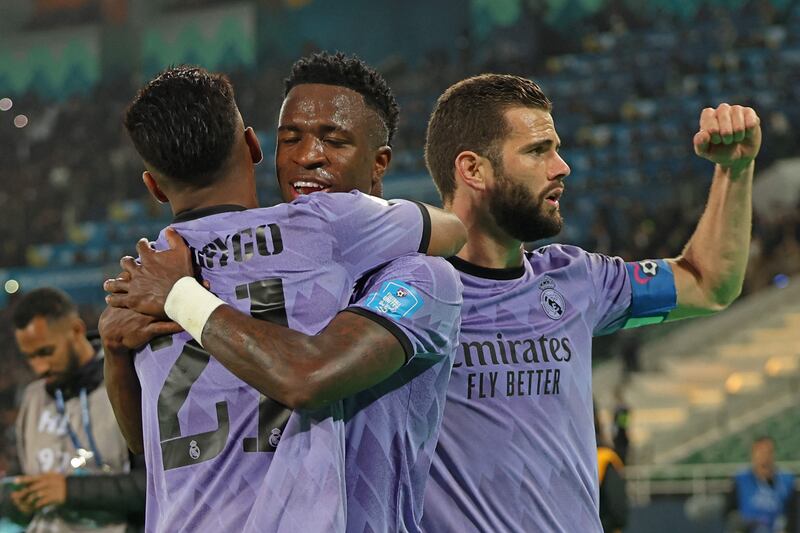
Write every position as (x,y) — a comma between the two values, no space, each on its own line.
(553,302)
(644,271)
(396,299)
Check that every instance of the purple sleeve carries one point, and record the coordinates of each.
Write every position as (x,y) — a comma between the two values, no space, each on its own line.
(612,298)
(418,299)
(371,231)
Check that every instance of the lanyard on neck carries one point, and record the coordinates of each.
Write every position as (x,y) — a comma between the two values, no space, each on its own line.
(85,420)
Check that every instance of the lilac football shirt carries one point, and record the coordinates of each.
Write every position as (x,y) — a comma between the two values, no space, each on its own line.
(517,448)
(221,457)
(391,429)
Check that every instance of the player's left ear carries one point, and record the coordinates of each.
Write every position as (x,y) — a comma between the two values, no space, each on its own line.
(253,145)
(472,170)
(152,186)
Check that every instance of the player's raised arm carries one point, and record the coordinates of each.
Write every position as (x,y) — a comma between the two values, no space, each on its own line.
(710,271)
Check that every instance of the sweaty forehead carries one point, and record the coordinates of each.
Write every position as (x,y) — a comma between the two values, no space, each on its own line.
(528,124)
(313,104)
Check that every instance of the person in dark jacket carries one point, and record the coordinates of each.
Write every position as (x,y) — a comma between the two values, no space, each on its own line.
(621,423)
(613,498)
(76,465)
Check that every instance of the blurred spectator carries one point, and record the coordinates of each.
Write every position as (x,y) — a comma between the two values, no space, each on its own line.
(621,423)
(763,499)
(630,347)
(74,459)
(613,496)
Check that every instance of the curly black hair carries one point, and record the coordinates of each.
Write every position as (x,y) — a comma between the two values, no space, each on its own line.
(350,72)
(184,123)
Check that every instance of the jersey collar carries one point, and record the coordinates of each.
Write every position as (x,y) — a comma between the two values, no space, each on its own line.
(485,272)
(192,214)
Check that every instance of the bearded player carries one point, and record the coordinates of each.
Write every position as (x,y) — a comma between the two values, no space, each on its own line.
(517,449)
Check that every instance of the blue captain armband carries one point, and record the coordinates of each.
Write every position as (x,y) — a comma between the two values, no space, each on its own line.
(653,293)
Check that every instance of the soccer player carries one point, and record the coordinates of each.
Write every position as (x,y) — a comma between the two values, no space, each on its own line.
(517,450)
(391,429)
(334,134)
(221,456)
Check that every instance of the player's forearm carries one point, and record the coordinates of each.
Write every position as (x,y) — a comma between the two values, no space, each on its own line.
(717,251)
(303,371)
(278,362)
(125,395)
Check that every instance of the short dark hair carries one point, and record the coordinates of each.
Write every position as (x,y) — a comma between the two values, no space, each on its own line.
(350,72)
(184,124)
(50,303)
(469,116)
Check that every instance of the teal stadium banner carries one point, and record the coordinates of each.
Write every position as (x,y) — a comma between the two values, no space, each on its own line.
(490,14)
(215,38)
(561,14)
(54,64)
(376,31)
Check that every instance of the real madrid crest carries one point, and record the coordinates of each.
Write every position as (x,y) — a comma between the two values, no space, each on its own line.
(552,301)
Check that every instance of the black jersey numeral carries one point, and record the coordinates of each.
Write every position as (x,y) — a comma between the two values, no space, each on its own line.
(267,303)
(181,450)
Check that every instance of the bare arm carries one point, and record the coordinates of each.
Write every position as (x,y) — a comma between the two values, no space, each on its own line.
(125,394)
(448,234)
(300,371)
(710,271)
(303,371)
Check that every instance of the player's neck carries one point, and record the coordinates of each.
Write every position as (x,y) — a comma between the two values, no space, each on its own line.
(487,245)
(226,192)
(486,252)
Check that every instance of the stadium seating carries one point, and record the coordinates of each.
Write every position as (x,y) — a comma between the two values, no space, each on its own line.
(783,427)
(734,373)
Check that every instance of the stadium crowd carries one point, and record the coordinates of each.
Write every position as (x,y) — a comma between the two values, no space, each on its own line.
(624,130)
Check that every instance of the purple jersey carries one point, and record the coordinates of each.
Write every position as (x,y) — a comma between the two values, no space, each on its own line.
(517,447)
(214,446)
(391,429)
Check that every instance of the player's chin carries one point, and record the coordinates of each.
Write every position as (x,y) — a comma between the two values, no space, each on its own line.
(553,224)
